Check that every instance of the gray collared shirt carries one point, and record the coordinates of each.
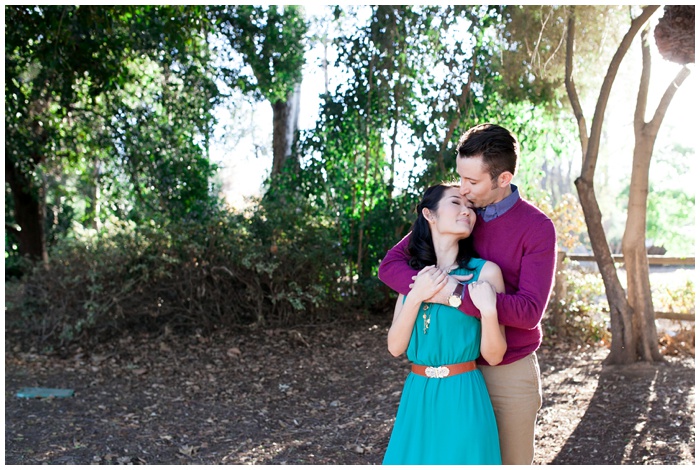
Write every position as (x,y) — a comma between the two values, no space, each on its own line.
(499,208)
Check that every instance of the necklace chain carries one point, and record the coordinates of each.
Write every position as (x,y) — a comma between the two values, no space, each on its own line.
(426,319)
(450,267)
(426,308)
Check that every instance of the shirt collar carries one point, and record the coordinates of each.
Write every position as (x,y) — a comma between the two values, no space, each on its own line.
(499,208)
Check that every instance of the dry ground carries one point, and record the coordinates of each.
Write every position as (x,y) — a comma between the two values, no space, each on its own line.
(321,395)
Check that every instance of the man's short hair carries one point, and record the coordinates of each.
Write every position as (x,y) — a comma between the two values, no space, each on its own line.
(496,145)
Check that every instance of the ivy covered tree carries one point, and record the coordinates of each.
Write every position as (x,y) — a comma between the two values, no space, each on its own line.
(104,100)
(272,42)
(414,78)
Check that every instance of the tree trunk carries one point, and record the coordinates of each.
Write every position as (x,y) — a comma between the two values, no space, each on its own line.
(635,254)
(285,123)
(462,107)
(368,155)
(95,196)
(622,349)
(392,159)
(29,213)
(559,295)
(634,238)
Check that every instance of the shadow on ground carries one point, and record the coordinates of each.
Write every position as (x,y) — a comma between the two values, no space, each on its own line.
(637,413)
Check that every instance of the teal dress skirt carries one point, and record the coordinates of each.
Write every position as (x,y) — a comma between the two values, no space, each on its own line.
(445,420)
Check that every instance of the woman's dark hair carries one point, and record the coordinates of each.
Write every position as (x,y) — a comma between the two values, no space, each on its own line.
(420,243)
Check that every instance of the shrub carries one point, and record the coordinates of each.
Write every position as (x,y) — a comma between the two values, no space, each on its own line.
(584,315)
(679,337)
(670,298)
(264,267)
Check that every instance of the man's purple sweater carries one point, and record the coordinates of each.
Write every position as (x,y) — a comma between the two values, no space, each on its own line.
(522,242)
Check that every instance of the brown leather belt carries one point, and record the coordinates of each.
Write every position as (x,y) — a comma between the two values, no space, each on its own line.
(441,372)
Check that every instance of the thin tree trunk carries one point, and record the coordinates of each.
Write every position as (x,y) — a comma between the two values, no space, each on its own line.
(285,123)
(634,238)
(622,350)
(394,136)
(571,84)
(559,295)
(325,61)
(634,252)
(28,198)
(368,155)
(622,329)
(352,222)
(462,107)
(96,195)
(29,213)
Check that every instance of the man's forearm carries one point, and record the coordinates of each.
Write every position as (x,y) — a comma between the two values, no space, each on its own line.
(394,270)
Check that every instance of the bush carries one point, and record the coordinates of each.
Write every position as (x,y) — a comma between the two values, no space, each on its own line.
(584,314)
(272,268)
(677,299)
(677,337)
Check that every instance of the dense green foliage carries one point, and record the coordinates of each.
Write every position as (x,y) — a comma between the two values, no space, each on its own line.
(268,40)
(269,267)
(109,120)
(107,115)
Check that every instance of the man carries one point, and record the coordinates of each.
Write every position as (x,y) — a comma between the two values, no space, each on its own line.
(521,240)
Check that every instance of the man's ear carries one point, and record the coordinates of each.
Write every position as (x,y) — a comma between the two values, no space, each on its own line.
(428,215)
(504,179)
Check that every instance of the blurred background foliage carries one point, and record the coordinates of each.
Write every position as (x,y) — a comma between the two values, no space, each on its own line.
(114,211)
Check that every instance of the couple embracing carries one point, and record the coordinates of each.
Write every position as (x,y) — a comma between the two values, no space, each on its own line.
(474,276)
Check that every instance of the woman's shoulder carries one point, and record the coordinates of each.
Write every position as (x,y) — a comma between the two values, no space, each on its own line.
(491,272)
(489,268)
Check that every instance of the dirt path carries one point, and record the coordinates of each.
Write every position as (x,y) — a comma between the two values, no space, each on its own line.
(324,395)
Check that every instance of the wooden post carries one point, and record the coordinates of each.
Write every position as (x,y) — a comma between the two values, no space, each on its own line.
(559,294)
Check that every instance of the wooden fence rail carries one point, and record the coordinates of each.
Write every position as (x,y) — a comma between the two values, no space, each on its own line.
(657,260)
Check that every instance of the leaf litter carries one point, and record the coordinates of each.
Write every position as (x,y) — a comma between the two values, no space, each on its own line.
(314,395)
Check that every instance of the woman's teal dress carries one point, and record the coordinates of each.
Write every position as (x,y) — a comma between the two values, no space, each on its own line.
(450,420)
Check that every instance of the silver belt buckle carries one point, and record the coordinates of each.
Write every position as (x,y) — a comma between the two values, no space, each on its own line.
(437,372)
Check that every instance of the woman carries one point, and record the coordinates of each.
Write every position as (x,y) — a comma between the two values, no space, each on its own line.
(445,414)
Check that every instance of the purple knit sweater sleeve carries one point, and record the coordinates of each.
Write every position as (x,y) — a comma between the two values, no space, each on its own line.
(394,270)
(526,253)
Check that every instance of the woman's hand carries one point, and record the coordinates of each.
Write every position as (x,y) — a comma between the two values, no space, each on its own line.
(429,281)
(483,295)
(493,335)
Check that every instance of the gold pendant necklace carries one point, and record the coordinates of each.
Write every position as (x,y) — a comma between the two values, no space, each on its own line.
(426,319)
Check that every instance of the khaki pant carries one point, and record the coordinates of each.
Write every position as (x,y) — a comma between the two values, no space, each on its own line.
(516,393)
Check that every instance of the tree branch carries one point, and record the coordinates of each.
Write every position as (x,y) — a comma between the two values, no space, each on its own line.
(571,86)
(661,109)
(643,93)
(599,114)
